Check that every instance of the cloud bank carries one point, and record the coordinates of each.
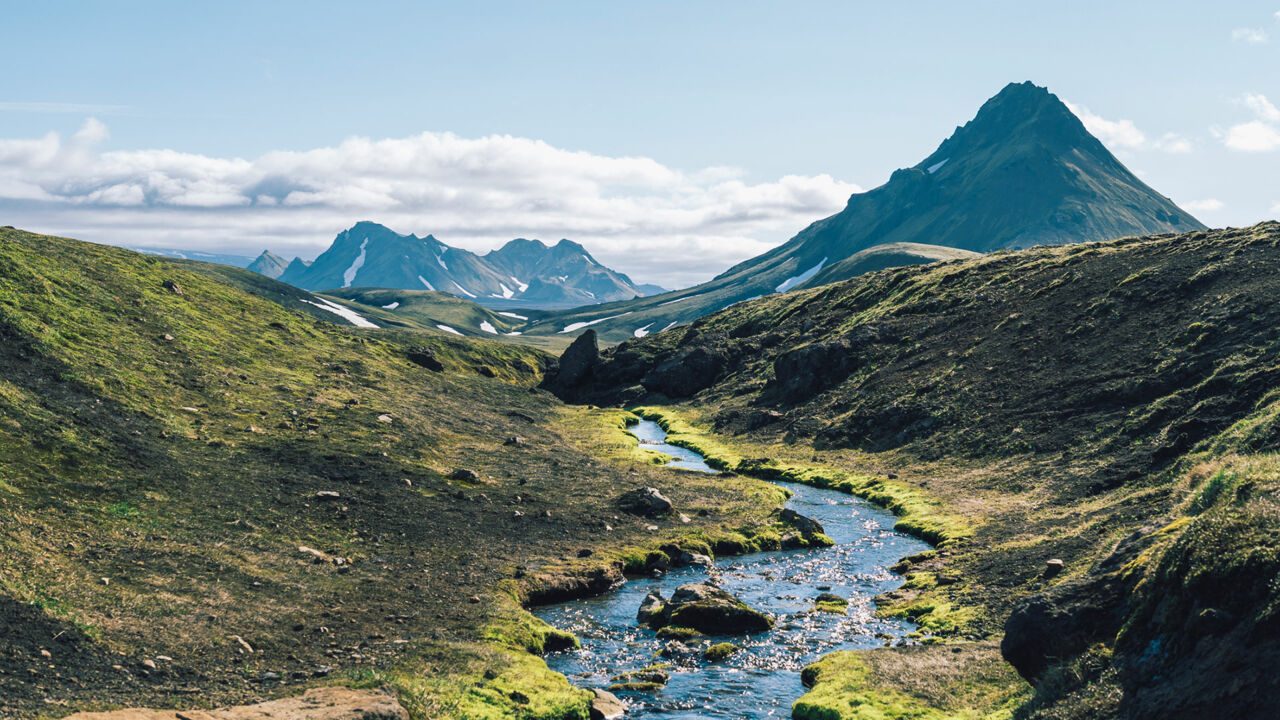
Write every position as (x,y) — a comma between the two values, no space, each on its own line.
(642,217)
(1125,135)
(1259,135)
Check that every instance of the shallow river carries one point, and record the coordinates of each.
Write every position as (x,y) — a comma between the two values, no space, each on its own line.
(763,679)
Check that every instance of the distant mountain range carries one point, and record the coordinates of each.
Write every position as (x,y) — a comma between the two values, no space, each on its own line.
(522,273)
(1023,172)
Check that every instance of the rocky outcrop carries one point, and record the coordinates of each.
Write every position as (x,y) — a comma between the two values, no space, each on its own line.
(1068,618)
(645,502)
(688,372)
(574,367)
(803,372)
(329,703)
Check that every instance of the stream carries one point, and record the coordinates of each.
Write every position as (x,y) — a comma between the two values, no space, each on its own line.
(762,679)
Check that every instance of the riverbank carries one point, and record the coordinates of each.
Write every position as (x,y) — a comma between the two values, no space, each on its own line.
(761,677)
(968,676)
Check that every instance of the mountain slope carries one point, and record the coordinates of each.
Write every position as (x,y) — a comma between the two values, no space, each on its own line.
(269,264)
(201,486)
(523,273)
(1023,172)
(1109,407)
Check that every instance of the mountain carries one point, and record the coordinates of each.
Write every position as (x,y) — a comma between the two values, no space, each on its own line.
(269,264)
(522,273)
(1023,172)
(1089,432)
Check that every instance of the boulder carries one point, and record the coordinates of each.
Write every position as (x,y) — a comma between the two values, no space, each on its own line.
(606,706)
(575,366)
(806,525)
(464,475)
(650,607)
(1052,568)
(326,703)
(645,502)
(424,357)
(695,559)
(708,609)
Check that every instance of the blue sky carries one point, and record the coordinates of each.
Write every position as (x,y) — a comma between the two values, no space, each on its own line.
(716,129)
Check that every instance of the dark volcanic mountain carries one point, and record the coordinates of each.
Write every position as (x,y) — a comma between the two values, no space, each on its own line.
(523,272)
(1023,172)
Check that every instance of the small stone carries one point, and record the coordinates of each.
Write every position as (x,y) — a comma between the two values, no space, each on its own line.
(167,337)
(606,706)
(105,581)
(464,475)
(327,495)
(386,419)
(514,440)
(163,658)
(490,674)
(269,676)
(1053,567)
(173,287)
(46,654)
(149,664)
(684,518)
(474,599)
(244,644)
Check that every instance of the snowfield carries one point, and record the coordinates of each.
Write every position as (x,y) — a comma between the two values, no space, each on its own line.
(802,277)
(448,329)
(579,325)
(345,313)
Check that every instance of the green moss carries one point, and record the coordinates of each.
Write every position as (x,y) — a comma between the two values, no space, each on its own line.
(719,651)
(934,614)
(512,626)
(523,688)
(672,632)
(920,685)
(635,687)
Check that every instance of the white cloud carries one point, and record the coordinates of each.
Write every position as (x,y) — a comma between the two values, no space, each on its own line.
(1115,133)
(1252,36)
(1173,143)
(1262,107)
(1206,205)
(1260,135)
(1125,135)
(636,214)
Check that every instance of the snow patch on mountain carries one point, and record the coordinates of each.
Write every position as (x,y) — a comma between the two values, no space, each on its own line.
(349,275)
(802,277)
(345,313)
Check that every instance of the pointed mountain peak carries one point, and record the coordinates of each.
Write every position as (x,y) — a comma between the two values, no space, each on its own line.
(1022,113)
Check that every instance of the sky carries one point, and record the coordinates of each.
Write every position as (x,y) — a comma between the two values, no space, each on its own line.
(672,139)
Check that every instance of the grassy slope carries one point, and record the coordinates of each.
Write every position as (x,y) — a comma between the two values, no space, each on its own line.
(160,455)
(1058,401)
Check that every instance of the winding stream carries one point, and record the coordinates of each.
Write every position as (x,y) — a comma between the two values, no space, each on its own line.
(763,678)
